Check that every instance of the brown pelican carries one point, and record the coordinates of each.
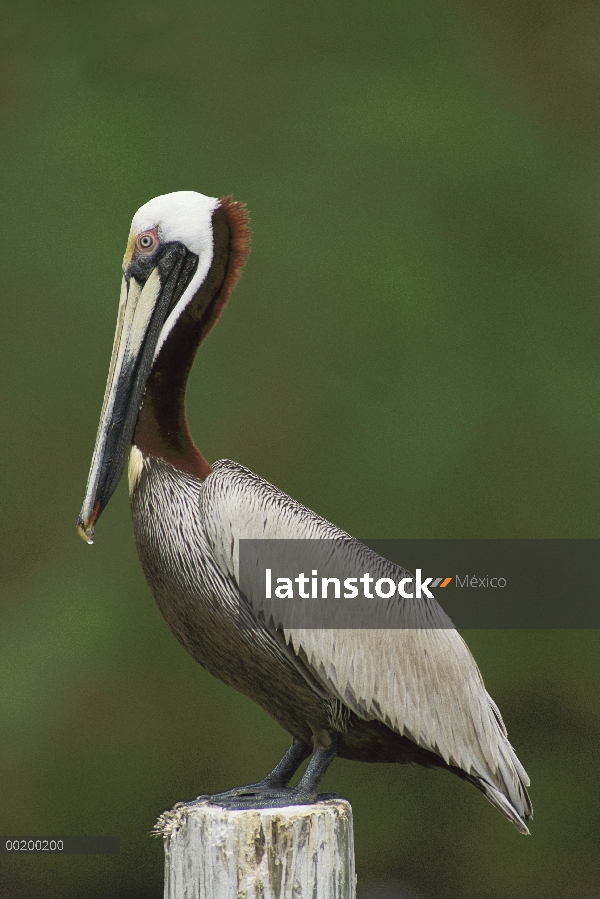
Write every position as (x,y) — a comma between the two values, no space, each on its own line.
(397,695)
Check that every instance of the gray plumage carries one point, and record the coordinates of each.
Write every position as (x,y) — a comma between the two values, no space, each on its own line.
(398,695)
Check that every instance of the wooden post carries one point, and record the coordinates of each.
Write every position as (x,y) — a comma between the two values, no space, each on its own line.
(302,851)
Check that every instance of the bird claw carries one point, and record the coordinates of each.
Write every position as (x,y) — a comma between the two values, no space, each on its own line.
(262,787)
(280,797)
(199,800)
(263,799)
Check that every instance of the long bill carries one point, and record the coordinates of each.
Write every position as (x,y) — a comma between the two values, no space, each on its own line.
(143,309)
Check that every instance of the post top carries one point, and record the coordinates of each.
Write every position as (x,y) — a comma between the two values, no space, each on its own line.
(176,818)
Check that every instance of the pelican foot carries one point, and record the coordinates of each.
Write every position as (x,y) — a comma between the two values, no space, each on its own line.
(250,791)
(273,790)
(266,797)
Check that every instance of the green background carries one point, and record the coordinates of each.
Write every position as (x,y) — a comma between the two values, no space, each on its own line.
(412,352)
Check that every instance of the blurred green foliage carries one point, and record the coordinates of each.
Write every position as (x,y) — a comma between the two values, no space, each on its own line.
(412,351)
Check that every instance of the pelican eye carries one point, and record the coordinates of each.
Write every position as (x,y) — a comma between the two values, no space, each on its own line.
(146,242)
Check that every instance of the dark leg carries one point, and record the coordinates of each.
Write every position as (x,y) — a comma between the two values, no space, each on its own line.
(285,769)
(273,791)
(320,761)
(279,777)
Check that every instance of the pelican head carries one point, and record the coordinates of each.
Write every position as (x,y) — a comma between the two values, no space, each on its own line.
(183,255)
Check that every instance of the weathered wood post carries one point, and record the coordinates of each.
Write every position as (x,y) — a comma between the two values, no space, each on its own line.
(298,852)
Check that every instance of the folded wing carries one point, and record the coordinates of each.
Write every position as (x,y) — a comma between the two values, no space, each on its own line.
(422,682)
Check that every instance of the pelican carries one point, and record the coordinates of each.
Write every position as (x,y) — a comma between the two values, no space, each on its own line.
(395,695)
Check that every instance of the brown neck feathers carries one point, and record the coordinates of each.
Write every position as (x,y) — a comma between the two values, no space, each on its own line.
(162,429)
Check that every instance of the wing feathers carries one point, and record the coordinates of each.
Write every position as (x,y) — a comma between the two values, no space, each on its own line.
(421,682)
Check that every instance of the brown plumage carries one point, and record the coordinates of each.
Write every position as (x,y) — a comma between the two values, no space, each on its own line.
(409,694)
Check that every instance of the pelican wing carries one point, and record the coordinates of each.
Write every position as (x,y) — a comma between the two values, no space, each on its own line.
(422,682)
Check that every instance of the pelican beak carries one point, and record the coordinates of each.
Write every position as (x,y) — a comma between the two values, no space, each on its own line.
(150,289)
